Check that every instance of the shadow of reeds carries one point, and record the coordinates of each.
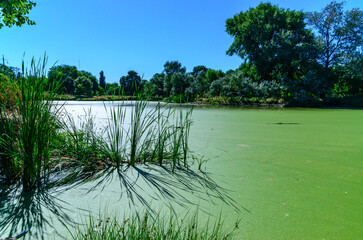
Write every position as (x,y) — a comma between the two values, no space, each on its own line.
(144,183)
(34,212)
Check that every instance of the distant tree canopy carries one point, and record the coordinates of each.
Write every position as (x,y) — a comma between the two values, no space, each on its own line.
(93,80)
(73,81)
(339,32)
(273,39)
(131,83)
(65,74)
(83,86)
(282,60)
(11,72)
(14,12)
(102,80)
(171,67)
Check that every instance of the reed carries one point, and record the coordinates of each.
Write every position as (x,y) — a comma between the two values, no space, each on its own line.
(141,129)
(79,140)
(114,144)
(28,127)
(147,226)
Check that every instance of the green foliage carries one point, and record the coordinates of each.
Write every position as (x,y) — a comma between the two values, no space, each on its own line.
(131,83)
(26,130)
(171,67)
(79,140)
(113,89)
(102,80)
(10,72)
(92,78)
(157,84)
(14,12)
(147,226)
(199,70)
(213,75)
(339,32)
(66,75)
(236,85)
(349,77)
(83,86)
(273,39)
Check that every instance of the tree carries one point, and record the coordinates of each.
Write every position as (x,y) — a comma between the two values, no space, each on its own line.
(339,32)
(92,78)
(102,80)
(83,86)
(157,81)
(171,67)
(13,12)
(66,74)
(349,77)
(199,70)
(113,89)
(273,39)
(213,75)
(131,83)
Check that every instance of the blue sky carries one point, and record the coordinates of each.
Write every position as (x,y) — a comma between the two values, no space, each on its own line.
(121,35)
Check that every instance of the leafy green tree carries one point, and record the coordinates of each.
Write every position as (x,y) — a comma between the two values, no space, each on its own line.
(66,74)
(92,78)
(113,89)
(349,77)
(157,81)
(249,70)
(102,80)
(213,75)
(179,82)
(199,70)
(83,86)
(273,39)
(171,67)
(338,31)
(14,12)
(131,83)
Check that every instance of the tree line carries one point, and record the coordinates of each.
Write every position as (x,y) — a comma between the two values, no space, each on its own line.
(286,54)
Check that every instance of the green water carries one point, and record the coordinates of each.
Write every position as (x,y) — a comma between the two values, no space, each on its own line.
(302,179)
(299,181)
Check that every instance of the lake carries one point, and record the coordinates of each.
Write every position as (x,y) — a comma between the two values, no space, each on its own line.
(290,173)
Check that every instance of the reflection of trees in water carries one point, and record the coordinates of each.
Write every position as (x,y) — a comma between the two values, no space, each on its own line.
(37,211)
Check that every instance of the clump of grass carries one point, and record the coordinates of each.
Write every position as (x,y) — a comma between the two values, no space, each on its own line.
(156,135)
(79,141)
(147,226)
(27,128)
(114,144)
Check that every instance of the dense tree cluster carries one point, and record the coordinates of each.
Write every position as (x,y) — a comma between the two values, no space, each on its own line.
(73,81)
(286,54)
(277,46)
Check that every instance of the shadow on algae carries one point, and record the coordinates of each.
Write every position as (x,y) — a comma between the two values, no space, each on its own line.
(30,211)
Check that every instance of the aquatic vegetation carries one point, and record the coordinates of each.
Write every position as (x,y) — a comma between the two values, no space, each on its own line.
(28,126)
(155,135)
(147,226)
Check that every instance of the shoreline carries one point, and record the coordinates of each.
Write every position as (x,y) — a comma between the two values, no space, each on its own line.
(355,102)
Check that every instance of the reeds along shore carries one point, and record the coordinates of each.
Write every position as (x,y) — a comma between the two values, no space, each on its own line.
(28,120)
(146,226)
(35,141)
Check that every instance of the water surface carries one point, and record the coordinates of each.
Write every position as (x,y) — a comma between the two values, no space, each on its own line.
(293,173)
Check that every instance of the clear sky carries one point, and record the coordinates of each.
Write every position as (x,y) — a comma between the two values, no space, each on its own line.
(121,35)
